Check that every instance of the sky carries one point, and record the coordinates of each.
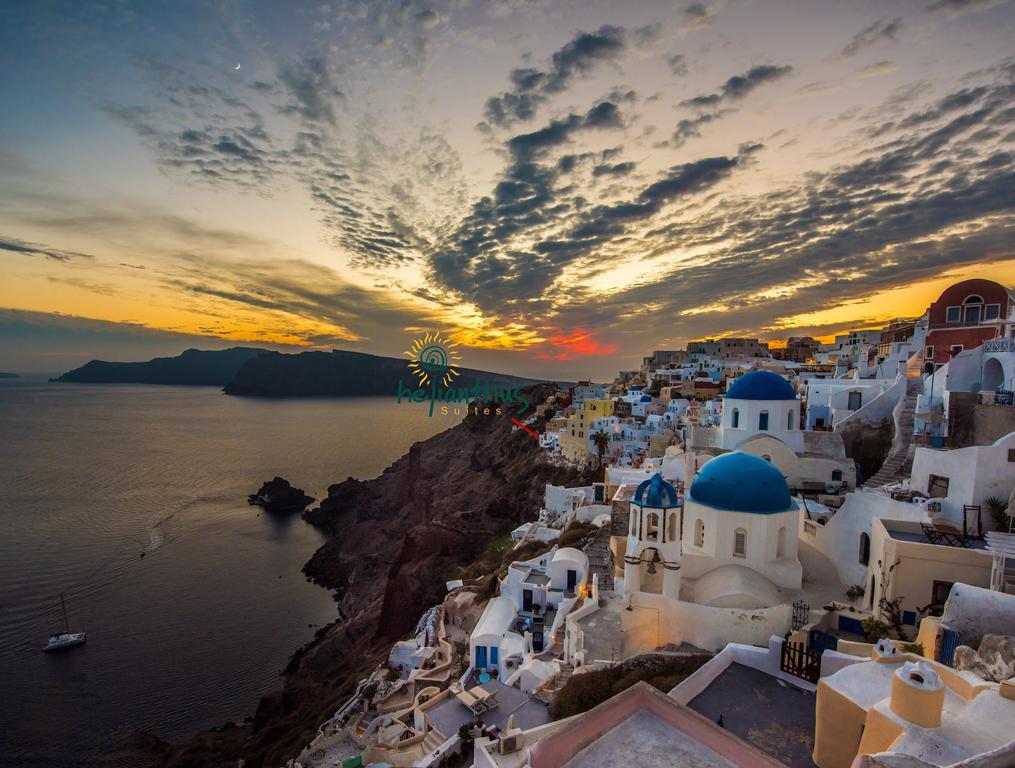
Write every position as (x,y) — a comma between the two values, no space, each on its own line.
(561,187)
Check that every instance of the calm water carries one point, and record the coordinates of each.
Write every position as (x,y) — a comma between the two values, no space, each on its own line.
(192,634)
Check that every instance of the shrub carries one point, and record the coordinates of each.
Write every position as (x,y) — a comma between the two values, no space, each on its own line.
(854,591)
(575,533)
(588,689)
(998,513)
(874,629)
(916,648)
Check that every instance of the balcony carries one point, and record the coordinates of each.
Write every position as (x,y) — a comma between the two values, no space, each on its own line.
(999,345)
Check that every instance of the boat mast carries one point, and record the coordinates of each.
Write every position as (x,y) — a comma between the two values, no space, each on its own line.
(66,621)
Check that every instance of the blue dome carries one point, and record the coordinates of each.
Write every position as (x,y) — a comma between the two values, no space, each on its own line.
(656,492)
(761,385)
(740,482)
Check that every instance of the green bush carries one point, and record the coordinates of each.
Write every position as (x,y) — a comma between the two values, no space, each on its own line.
(874,629)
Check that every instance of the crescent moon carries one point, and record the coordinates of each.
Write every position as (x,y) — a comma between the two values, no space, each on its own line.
(237,67)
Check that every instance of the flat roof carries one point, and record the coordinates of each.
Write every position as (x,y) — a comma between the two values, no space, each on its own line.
(450,715)
(774,716)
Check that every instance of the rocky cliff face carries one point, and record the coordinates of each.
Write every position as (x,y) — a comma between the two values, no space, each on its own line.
(393,543)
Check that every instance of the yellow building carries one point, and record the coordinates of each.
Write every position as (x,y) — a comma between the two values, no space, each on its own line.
(574,441)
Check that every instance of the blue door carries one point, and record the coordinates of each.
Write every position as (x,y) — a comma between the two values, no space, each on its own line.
(494,656)
(527,600)
(480,657)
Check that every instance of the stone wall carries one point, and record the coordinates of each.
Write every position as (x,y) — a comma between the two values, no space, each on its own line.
(973,423)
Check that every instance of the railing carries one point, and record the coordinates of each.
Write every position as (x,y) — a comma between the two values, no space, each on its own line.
(999,345)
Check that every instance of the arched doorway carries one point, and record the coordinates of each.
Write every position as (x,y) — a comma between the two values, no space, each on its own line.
(993,375)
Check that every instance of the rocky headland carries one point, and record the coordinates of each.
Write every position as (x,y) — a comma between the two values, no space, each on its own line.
(393,543)
(279,497)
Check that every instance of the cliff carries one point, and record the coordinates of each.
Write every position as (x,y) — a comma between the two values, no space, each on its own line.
(393,543)
(339,373)
(192,367)
(8,375)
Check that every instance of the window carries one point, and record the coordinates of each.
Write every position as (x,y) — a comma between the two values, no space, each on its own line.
(953,314)
(972,310)
(956,348)
(1011,454)
(740,543)
(836,475)
(766,457)
(780,543)
(634,525)
(735,423)
(929,353)
(865,549)
(937,486)
(652,527)
(672,534)
(855,400)
(699,533)
(763,421)
(938,596)
(992,312)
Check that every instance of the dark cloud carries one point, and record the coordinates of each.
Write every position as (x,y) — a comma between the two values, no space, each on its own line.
(738,86)
(312,89)
(935,199)
(616,169)
(882,29)
(516,243)
(690,128)
(14,245)
(531,87)
(698,14)
(677,64)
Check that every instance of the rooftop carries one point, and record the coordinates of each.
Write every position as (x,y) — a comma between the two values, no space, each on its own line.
(773,716)
(643,727)
(450,715)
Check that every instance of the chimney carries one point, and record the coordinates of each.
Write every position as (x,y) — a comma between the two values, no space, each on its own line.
(918,694)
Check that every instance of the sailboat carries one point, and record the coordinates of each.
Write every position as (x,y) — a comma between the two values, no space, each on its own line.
(66,638)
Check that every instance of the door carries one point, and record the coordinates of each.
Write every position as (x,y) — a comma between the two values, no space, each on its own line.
(480,657)
(855,399)
(494,656)
(572,579)
(527,600)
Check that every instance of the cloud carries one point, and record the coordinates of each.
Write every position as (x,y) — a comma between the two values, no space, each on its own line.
(739,86)
(574,344)
(14,245)
(711,105)
(883,29)
(960,6)
(532,86)
(312,89)
(698,14)
(677,63)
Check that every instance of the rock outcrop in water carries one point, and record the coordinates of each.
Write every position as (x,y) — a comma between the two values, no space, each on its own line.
(393,543)
(279,497)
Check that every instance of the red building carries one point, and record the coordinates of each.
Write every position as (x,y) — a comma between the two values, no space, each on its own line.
(964,316)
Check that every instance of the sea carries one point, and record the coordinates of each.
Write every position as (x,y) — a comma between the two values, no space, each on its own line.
(193,633)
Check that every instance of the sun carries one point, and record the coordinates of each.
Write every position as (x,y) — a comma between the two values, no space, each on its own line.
(432,358)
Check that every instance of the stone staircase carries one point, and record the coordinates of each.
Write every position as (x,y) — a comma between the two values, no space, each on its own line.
(601,559)
(548,692)
(893,468)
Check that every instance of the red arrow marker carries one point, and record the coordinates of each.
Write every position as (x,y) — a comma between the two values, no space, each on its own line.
(525,428)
